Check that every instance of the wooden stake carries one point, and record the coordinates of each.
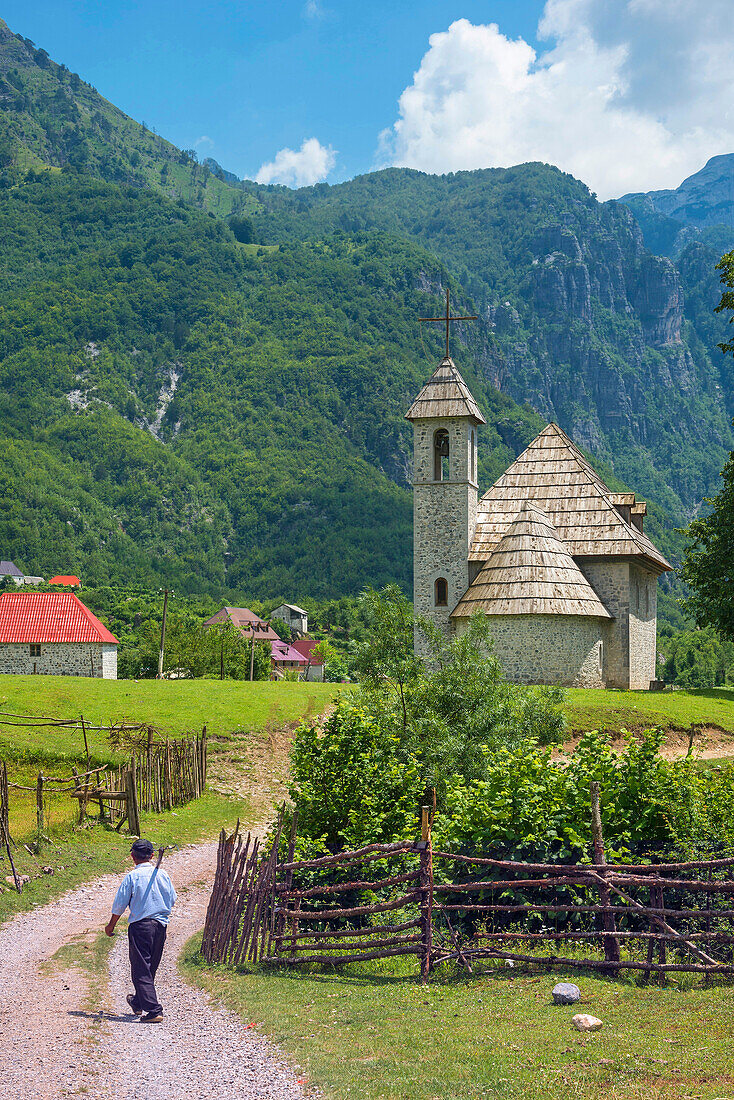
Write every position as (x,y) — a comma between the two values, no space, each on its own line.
(611,945)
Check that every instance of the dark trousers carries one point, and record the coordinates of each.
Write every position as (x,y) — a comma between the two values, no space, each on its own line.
(146,939)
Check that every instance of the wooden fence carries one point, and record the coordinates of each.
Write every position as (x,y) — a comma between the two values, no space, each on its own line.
(160,775)
(408,899)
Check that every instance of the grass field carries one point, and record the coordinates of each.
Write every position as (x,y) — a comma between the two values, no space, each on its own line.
(374,1034)
(588,709)
(175,706)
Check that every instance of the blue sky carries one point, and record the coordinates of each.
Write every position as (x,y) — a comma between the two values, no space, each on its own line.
(585,84)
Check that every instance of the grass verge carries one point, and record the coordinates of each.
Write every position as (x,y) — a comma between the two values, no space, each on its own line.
(589,708)
(84,853)
(373,1033)
(174,706)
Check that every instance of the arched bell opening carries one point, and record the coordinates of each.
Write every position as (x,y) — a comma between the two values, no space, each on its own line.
(441,455)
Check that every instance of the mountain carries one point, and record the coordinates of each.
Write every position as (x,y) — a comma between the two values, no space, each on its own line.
(204,379)
(51,118)
(701,209)
(578,318)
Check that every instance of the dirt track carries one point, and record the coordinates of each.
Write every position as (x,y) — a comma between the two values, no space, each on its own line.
(67,1031)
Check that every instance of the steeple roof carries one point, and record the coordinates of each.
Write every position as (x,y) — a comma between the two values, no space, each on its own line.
(445,394)
(531,573)
(588,518)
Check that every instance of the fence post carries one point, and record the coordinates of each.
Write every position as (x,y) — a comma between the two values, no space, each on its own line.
(611,944)
(425,882)
(133,814)
(40,824)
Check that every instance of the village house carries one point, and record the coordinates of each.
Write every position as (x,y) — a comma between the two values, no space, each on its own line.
(286,658)
(245,622)
(295,617)
(10,571)
(314,669)
(66,580)
(53,633)
(558,563)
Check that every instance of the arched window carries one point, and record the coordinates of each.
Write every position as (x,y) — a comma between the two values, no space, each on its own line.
(441,455)
(441,592)
(472,459)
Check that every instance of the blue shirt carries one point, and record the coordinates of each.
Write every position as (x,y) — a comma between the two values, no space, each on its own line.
(148,892)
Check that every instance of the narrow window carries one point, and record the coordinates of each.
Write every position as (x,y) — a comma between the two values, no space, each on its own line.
(35,649)
(473,469)
(441,455)
(441,592)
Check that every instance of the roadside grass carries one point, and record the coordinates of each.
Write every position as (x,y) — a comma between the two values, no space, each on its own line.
(371,1032)
(79,854)
(592,708)
(174,706)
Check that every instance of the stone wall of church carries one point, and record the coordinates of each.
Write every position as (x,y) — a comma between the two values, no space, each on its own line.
(568,650)
(444,517)
(610,580)
(60,659)
(642,627)
(629,593)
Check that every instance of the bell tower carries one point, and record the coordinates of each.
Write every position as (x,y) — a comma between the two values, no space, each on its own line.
(445,420)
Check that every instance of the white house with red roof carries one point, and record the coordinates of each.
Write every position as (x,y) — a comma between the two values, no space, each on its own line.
(53,633)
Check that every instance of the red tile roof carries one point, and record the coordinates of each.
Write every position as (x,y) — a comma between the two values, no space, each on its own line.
(305,647)
(49,617)
(69,580)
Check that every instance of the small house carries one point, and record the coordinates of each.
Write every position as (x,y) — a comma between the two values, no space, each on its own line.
(10,571)
(66,580)
(295,617)
(314,670)
(246,622)
(286,658)
(53,633)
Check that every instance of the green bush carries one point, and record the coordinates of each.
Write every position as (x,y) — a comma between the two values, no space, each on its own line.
(527,807)
(351,784)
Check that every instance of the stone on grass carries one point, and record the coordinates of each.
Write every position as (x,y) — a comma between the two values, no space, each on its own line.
(566,993)
(582,1022)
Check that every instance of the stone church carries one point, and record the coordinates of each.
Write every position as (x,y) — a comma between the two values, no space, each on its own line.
(559,564)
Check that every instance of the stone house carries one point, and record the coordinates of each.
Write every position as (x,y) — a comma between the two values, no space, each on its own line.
(295,617)
(53,633)
(558,562)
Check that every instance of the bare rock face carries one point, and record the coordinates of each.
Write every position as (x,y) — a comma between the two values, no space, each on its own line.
(582,1022)
(659,301)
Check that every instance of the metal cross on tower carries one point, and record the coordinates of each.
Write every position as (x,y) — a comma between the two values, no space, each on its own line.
(447,320)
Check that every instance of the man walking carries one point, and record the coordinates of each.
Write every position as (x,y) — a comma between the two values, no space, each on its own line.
(149,893)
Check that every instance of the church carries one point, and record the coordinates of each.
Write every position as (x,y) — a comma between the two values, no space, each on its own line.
(559,564)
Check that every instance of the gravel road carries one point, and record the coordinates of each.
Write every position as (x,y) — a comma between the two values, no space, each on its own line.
(65,1035)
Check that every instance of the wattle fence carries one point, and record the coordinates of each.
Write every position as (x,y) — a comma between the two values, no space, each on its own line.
(158,775)
(408,899)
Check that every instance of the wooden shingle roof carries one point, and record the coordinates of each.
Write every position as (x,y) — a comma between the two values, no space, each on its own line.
(445,394)
(554,475)
(531,573)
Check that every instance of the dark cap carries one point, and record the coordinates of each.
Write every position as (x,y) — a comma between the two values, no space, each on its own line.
(142,849)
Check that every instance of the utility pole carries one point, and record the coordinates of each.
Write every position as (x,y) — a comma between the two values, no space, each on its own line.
(163,636)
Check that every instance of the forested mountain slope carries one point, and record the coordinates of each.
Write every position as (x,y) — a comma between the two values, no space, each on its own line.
(578,318)
(178,406)
(50,117)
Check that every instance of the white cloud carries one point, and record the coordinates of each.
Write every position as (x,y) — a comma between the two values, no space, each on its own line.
(310,164)
(203,140)
(313,9)
(628,95)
